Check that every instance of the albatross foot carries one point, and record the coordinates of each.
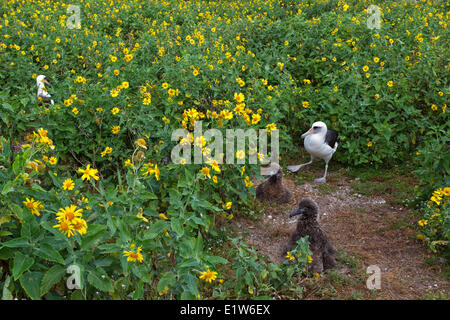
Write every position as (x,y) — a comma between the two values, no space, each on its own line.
(320,180)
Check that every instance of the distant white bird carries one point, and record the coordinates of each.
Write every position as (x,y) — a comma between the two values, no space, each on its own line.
(41,92)
(321,143)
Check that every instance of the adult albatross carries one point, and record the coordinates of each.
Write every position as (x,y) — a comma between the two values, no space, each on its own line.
(42,93)
(321,143)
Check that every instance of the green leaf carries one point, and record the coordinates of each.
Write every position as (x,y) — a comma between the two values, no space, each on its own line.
(5,219)
(101,284)
(16,243)
(8,187)
(30,282)
(139,292)
(177,226)
(155,229)
(213,260)
(6,253)
(46,251)
(77,295)
(167,280)
(21,264)
(6,295)
(94,234)
(51,277)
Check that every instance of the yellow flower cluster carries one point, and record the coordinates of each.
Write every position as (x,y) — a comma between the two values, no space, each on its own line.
(150,169)
(70,221)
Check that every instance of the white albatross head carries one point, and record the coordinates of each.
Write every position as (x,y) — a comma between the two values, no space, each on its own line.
(318,127)
(41,81)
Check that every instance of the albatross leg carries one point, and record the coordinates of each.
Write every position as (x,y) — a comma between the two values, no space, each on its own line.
(297,167)
(324,178)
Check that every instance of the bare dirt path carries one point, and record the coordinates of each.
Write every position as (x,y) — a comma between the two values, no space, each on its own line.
(366,230)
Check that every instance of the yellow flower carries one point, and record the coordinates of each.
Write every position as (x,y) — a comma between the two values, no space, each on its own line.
(115,130)
(369,144)
(106,151)
(390,83)
(69,213)
(66,228)
(422,222)
(141,143)
(256,118)
(75,111)
(133,256)
(33,206)
(128,163)
(162,215)
(240,154)
(239,97)
(227,205)
(365,68)
(115,111)
(289,256)
(208,275)
(53,160)
(128,57)
(376,59)
(310,259)
(68,102)
(305,104)
(68,184)
(88,173)
(206,172)
(214,179)
(140,215)
(114,93)
(79,225)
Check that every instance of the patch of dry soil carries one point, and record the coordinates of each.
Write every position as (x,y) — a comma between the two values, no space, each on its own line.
(359,225)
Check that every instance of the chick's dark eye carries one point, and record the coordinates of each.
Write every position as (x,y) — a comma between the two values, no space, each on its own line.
(315,128)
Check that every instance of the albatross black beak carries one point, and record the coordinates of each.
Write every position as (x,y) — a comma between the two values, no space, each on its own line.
(296,212)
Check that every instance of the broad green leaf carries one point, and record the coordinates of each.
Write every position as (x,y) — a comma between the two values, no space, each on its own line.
(31,282)
(155,229)
(94,234)
(51,277)
(139,291)
(99,283)
(48,252)
(6,253)
(167,280)
(177,226)
(21,264)
(16,243)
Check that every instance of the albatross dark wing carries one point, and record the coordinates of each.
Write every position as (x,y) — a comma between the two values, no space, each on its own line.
(331,137)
